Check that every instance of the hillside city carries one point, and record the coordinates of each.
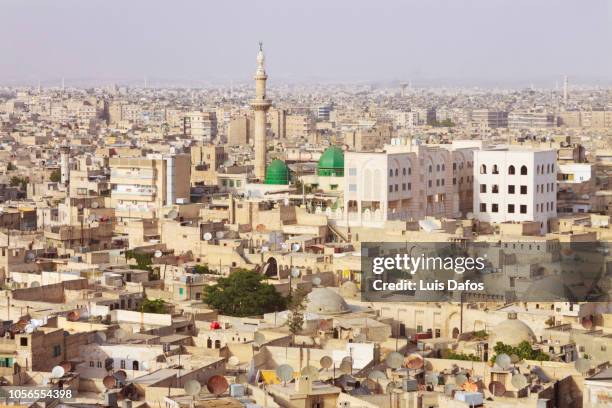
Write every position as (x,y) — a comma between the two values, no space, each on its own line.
(179,247)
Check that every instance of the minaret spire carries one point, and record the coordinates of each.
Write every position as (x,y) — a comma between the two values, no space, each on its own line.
(260,105)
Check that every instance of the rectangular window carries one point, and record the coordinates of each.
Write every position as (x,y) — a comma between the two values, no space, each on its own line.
(23,341)
(91,363)
(122,364)
(511,208)
(483,207)
(523,189)
(352,171)
(403,186)
(511,189)
(523,209)
(483,188)
(494,208)
(409,186)
(57,350)
(390,188)
(353,187)
(180,291)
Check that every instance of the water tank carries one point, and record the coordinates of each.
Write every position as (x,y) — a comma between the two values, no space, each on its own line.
(236,390)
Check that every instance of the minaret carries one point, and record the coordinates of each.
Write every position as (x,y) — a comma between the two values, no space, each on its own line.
(565,90)
(260,105)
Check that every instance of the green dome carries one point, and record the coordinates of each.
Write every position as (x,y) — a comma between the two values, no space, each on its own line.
(331,162)
(277,173)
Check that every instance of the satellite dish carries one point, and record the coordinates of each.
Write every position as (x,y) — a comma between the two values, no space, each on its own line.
(394,360)
(503,361)
(95,205)
(346,366)
(326,362)
(57,372)
(582,365)
(145,365)
(295,247)
(519,381)
(158,254)
(461,379)
(192,387)
(100,337)
(29,329)
(284,372)
(30,256)
(172,214)
(295,272)
(73,316)
(120,375)
(316,281)
(587,323)
(414,361)
(109,382)
(498,389)
(310,372)
(259,339)
(377,375)
(207,236)
(432,379)
(264,249)
(35,284)
(92,218)
(284,246)
(469,216)
(219,234)
(233,361)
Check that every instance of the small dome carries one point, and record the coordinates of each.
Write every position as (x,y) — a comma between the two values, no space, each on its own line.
(512,332)
(277,173)
(325,301)
(331,162)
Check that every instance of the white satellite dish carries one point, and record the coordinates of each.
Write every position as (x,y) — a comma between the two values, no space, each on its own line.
(145,365)
(503,361)
(295,247)
(29,328)
(192,387)
(30,256)
(295,273)
(57,372)
(264,249)
(233,361)
(158,254)
(219,234)
(95,205)
(207,236)
(172,214)
(316,281)
(92,218)
(35,284)
(284,246)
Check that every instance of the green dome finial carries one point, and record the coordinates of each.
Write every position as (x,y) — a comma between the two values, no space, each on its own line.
(331,162)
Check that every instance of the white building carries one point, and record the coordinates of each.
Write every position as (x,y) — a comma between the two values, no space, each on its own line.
(515,186)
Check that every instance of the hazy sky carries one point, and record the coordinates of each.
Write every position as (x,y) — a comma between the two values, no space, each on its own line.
(445,41)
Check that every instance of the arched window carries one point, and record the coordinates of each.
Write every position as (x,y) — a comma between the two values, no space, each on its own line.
(396,172)
(409,170)
(495,169)
(404,171)
(437,167)
(523,170)
(483,169)
(430,168)
(390,172)
(511,170)
(209,343)
(135,366)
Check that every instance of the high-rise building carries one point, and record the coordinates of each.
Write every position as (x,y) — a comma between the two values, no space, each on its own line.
(490,118)
(239,131)
(278,122)
(201,126)
(527,120)
(515,185)
(141,186)
(260,106)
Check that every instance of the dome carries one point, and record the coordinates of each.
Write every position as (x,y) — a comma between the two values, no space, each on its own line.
(512,332)
(325,301)
(277,173)
(331,162)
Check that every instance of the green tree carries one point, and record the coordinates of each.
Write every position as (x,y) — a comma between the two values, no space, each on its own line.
(22,182)
(203,270)
(524,351)
(56,176)
(243,293)
(296,309)
(153,306)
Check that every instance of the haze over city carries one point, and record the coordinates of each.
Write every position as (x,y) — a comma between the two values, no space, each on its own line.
(431,43)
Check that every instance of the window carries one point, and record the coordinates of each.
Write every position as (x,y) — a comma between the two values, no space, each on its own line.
(523,189)
(180,291)
(99,364)
(495,169)
(494,208)
(523,209)
(91,363)
(511,170)
(483,207)
(390,188)
(396,172)
(511,189)
(404,171)
(430,168)
(483,169)
(352,171)
(483,188)
(511,208)
(390,173)
(122,364)
(23,341)
(396,187)
(353,187)
(403,186)
(523,170)
(409,186)
(57,350)
(495,189)
(437,167)
(454,181)
(409,170)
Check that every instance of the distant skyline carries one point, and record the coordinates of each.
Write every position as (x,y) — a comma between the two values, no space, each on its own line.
(429,42)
